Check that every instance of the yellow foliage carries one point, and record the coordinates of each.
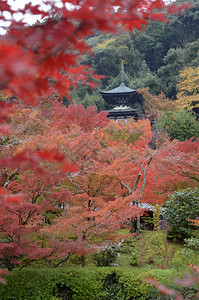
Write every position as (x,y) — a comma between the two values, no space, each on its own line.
(156,217)
(105,43)
(188,89)
(3,95)
(35,113)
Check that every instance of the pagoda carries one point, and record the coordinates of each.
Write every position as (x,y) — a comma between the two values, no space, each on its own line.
(126,102)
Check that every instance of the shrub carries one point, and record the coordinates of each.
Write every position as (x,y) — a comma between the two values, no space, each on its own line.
(181,125)
(83,284)
(193,244)
(105,258)
(134,258)
(180,210)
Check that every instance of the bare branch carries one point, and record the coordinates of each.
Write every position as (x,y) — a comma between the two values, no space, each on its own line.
(189,175)
(126,186)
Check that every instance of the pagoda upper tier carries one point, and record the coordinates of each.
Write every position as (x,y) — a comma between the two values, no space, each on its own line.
(121,95)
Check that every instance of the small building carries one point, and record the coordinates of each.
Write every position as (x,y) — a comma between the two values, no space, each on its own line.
(126,102)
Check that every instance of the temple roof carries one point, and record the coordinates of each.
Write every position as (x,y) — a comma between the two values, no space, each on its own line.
(122,88)
(121,95)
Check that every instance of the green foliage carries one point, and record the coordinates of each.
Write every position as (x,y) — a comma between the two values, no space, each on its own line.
(84,283)
(183,29)
(184,257)
(193,244)
(180,209)
(150,249)
(150,43)
(105,258)
(153,57)
(134,258)
(176,60)
(153,250)
(169,72)
(110,51)
(147,223)
(181,125)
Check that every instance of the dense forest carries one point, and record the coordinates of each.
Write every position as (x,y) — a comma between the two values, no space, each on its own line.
(153,57)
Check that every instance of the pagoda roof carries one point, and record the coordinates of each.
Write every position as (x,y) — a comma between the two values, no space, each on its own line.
(122,88)
(121,95)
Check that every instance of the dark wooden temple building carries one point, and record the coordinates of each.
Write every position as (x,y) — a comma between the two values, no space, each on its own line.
(126,102)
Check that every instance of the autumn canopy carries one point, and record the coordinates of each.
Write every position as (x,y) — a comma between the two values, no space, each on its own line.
(69,175)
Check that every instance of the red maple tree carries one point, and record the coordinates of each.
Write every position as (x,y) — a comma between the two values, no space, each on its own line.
(75,204)
(37,61)
(175,167)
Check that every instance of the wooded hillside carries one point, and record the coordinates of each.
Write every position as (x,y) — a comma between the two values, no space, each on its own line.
(153,57)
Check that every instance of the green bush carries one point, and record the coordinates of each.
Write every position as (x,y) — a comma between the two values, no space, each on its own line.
(179,210)
(185,257)
(181,125)
(105,258)
(193,244)
(83,283)
(134,258)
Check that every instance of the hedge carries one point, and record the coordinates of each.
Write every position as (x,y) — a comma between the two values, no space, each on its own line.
(84,283)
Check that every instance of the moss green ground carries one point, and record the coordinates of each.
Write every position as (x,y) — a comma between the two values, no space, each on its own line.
(150,249)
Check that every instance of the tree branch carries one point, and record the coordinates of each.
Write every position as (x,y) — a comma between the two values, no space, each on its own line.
(189,175)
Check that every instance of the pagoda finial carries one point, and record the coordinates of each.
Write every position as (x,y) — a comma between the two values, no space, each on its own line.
(122,73)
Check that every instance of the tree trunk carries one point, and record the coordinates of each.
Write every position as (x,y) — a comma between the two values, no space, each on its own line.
(83,261)
(135,225)
(138,224)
